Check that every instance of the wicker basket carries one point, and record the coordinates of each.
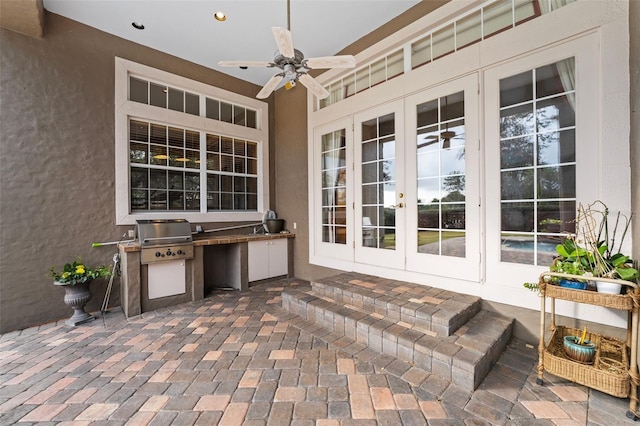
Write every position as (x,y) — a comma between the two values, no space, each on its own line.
(615,301)
(609,372)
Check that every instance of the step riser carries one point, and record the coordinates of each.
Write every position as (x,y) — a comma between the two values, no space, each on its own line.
(464,364)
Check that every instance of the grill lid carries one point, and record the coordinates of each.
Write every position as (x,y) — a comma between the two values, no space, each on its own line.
(163,232)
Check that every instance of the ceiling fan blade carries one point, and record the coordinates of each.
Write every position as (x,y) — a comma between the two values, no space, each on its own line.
(315,87)
(343,61)
(270,86)
(245,64)
(284,41)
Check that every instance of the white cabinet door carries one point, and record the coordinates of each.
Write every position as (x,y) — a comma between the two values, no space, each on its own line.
(258,253)
(167,279)
(278,258)
(267,259)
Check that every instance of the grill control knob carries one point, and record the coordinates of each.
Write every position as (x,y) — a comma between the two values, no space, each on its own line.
(180,252)
(158,254)
(169,253)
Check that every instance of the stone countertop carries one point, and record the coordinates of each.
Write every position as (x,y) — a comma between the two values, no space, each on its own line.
(211,241)
(242,238)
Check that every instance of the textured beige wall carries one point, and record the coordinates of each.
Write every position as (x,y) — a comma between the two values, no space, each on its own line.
(23,16)
(57,158)
(290,174)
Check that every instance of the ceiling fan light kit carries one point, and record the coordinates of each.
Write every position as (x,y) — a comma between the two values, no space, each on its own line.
(293,65)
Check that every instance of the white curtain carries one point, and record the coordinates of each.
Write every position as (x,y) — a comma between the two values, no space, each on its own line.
(567,72)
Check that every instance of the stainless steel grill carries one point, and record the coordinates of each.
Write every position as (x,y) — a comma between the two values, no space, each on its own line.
(164,239)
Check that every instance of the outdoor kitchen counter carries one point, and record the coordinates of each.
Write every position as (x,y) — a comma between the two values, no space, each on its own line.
(220,262)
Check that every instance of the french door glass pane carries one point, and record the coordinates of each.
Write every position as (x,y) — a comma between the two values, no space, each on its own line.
(441,176)
(537,160)
(378,189)
(334,187)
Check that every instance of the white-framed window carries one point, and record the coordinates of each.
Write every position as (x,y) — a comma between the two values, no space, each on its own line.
(185,149)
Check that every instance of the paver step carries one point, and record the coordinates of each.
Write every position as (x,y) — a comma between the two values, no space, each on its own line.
(463,358)
(427,308)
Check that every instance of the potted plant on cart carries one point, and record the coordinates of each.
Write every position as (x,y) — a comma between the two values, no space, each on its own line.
(594,251)
(75,278)
(604,243)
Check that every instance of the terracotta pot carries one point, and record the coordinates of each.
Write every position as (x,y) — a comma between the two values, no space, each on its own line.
(77,296)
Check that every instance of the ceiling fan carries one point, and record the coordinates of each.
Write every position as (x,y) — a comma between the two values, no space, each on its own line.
(293,64)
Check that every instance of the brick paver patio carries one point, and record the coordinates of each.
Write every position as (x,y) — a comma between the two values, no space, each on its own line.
(238,359)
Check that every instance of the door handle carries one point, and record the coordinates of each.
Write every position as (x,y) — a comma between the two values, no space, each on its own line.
(398,206)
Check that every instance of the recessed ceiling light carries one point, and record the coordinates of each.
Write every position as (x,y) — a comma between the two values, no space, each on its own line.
(220,16)
(137,25)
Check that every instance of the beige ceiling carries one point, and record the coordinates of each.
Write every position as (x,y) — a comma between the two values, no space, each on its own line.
(185,28)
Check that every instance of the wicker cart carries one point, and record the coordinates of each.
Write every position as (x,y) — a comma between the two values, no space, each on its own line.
(615,368)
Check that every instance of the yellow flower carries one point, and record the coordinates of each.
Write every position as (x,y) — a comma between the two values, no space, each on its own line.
(66,275)
(80,269)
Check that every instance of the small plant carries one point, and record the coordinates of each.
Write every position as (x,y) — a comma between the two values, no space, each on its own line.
(532,286)
(77,273)
(572,259)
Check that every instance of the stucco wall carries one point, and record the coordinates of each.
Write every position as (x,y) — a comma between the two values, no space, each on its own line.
(291,175)
(57,158)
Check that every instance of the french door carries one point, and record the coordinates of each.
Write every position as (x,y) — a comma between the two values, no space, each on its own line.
(399,184)
(442,174)
(379,186)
